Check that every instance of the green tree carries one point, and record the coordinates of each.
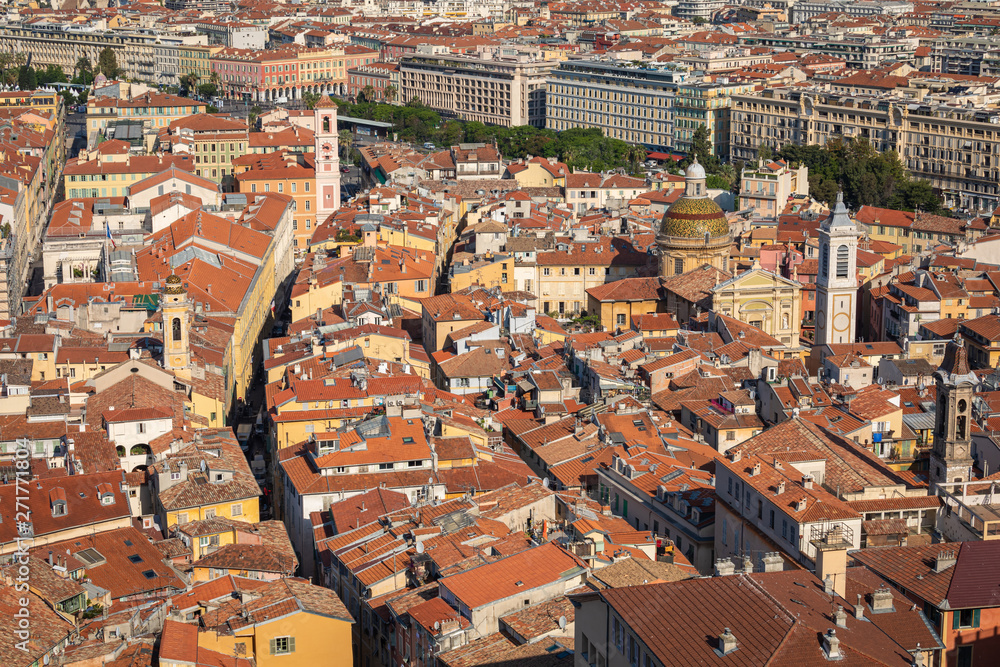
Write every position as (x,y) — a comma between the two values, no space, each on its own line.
(765,153)
(189,82)
(701,147)
(107,63)
(390,93)
(635,155)
(253,115)
(451,133)
(699,20)
(83,71)
(51,74)
(368,93)
(26,79)
(10,67)
(346,140)
(208,90)
(310,99)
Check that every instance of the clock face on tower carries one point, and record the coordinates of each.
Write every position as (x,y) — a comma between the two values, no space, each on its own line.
(327,150)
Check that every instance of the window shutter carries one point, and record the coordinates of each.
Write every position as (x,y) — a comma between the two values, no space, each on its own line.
(954,620)
(291,644)
(975,618)
(274,646)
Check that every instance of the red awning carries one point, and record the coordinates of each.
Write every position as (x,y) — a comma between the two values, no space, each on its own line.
(658,156)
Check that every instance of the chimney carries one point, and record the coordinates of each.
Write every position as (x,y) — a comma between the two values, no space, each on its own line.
(747,565)
(781,488)
(807,481)
(773,562)
(831,645)
(800,505)
(944,560)
(756,470)
(840,617)
(831,560)
(724,567)
(859,608)
(828,585)
(882,600)
(50,558)
(727,642)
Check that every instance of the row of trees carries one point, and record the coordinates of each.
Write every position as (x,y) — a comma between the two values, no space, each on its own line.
(15,69)
(867,177)
(579,148)
(191,83)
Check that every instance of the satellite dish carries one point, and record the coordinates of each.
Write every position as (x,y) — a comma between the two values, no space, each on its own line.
(420,547)
(545,482)
(562,622)
(430,480)
(437,625)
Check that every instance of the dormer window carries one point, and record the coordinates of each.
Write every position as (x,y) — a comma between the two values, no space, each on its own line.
(59,508)
(108,499)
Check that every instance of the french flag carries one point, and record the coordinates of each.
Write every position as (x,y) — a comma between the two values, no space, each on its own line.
(107,228)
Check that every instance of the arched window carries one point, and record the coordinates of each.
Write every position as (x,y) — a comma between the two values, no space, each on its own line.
(326,123)
(843,260)
(176,326)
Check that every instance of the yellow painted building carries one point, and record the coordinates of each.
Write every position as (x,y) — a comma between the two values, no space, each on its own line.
(765,300)
(539,172)
(99,174)
(492,271)
(294,623)
(43,100)
(196,59)
(292,175)
(156,109)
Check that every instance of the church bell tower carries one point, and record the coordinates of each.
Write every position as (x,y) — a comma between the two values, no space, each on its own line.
(837,281)
(951,459)
(327,158)
(176,311)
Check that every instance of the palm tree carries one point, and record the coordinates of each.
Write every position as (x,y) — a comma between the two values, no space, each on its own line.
(390,92)
(310,99)
(346,138)
(728,172)
(83,65)
(634,155)
(369,93)
(190,81)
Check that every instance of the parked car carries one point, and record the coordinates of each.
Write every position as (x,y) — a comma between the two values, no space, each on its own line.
(345,170)
(428,145)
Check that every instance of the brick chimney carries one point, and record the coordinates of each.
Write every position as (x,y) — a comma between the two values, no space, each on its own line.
(727,642)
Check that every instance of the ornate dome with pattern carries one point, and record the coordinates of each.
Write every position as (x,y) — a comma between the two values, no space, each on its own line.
(692,217)
(174,285)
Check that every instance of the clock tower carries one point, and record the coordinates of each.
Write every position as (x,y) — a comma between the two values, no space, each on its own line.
(956,386)
(327,158)
(837,281)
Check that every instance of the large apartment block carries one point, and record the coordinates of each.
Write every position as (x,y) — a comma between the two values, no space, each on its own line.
(626,102)
(957,150)
(150,57)
(505,91)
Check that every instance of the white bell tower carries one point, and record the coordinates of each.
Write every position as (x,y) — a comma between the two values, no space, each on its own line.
(837,282)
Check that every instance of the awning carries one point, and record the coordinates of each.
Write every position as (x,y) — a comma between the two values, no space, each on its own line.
(658,156)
